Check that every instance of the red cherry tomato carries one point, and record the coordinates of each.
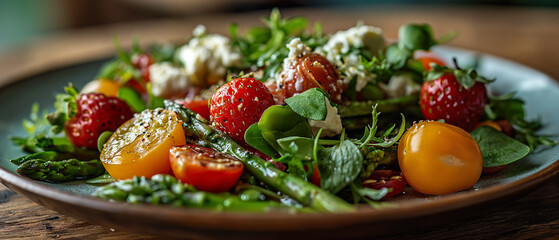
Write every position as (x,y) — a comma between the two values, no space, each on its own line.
(386,179)
(306,72)
(427,61)
(204,168)
(201,107)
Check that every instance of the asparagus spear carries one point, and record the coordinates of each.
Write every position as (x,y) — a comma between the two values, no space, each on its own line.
(294,187)
(60,171)
(166,190)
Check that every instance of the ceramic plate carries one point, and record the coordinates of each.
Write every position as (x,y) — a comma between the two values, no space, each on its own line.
(540,92)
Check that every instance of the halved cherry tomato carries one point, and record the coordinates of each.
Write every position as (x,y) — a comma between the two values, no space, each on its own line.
(389,179)
(201,107)
(140,146)
(205,168)
(306,72)
(102,85)
(438,158)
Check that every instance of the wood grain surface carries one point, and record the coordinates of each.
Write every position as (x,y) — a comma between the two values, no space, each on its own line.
(525,35)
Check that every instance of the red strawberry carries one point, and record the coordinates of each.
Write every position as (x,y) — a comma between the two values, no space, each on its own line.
(446,98)
(95,114)
(237,105)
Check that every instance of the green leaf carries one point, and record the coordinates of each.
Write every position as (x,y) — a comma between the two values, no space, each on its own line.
(274,125)
(132,97)
(310,104)
(339,165)
(300,147)
(254,138)
(416,37)
(154,101)
(397,57)
(295,26)
(505,106)
(497,148)
(102,139)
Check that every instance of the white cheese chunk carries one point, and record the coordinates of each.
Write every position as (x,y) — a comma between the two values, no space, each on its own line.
(400,86)
(338,51)
(331,126)
(206,57)
(167,79)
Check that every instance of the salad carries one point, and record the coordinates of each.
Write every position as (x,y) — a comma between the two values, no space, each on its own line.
(280,117)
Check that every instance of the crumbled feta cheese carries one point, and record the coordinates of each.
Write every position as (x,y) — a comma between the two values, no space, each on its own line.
(332,125)
(167,79)
(206,57)
(337,51)
(362,36)
(400,86)
(297,49)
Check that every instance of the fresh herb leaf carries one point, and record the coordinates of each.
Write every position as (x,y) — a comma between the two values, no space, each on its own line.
(310,104)
(339,165)
(397,57)
(132,98)
(416,37)
(254,138)
(300,147)
(510,108)
(497,148)
(274,126)
(466,77)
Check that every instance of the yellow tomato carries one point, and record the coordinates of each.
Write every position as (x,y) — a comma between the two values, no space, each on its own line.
(102,85)
(140,147)
(438,158)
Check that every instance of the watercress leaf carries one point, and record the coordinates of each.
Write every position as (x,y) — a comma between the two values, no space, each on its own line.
(339,165)
(254,138)
(416,37)
(497,148)
(397,57)
(310,104)
(301,147)
(279,122)
(132,97)
(295,26)
(257,35)
(506,106)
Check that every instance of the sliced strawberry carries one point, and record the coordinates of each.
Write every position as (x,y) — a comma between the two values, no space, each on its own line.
(237,105)
(95,114)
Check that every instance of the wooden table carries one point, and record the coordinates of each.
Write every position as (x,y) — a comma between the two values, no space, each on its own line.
(524,35)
